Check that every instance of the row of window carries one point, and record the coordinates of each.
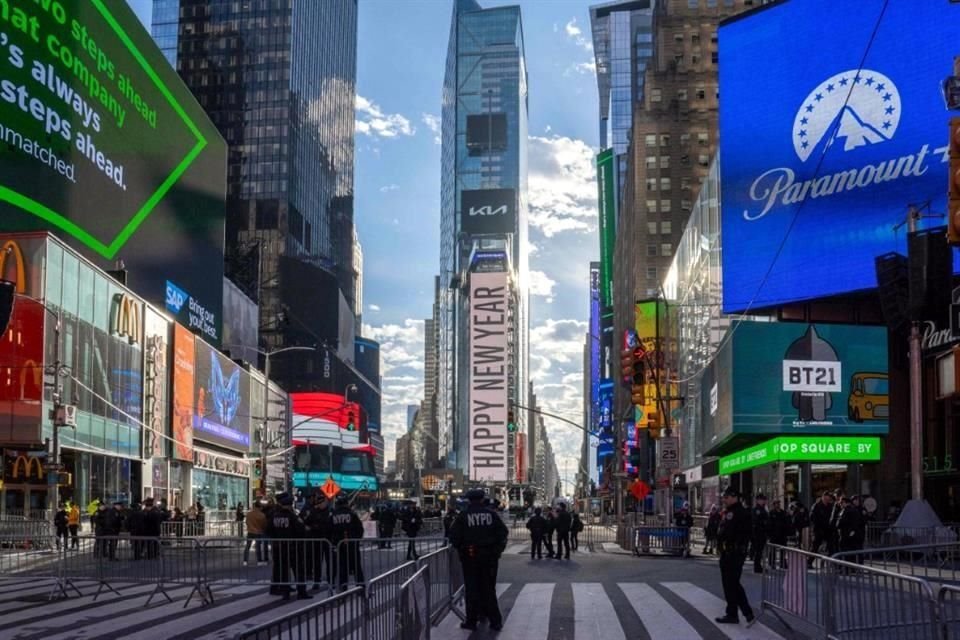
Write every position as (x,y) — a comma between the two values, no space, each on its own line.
(651,139)
(666,206)
(662,249)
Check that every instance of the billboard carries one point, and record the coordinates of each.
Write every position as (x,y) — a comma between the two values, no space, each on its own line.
(155,394)
(594,346)
(222,400)
(489,371)
(103,144)
(804,449)
(824,148)
(488,211)
(324,418)
(191,312)
(184,379)
(607,191)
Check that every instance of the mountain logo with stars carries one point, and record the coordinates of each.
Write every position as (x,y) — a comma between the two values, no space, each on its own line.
(855,107)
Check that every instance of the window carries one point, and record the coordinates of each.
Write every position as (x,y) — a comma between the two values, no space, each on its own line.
(652,206)
(651,162)
(651,184)
(665,140)
(666,228)
(711,3)
(651,139)
(686,205)
(695,38)
(678,37)
(701,92)
(728,3)
(694,59)
(651,251)
(664,162)
(665,184)
(703,139)
(714,57)
(665,206)
(681,94)
(703,160)
(684,183)
(666,249)
(693,4)
(685,139)
(656,95)
(651,273)
(652,228)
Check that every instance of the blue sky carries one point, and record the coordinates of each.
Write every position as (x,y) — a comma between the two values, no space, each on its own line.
(401,52)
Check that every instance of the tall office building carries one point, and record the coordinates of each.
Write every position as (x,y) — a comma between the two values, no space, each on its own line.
(483,235)
(277,78)
(434,445)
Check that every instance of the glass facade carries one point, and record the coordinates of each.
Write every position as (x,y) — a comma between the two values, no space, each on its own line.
(277,78)
(219,491)
(485,75)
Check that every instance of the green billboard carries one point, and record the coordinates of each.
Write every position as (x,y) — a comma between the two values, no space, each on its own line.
(803,449)
(607,187)
(104,145)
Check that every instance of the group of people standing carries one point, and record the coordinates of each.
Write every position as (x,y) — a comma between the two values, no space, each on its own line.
(410,518)
(559,521)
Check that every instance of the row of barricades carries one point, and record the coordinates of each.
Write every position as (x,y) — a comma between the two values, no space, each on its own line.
(851,597)
(656,539)
(201,566)
(403,603)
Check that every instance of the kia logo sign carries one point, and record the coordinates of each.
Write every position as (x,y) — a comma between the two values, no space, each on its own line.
(488,211)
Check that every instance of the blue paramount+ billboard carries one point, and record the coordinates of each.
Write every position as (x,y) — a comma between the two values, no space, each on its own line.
(828,141)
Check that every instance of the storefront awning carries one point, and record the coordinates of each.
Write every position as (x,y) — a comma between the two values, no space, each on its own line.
(803,449)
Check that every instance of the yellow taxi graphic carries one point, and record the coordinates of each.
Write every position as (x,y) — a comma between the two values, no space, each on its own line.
(869,397)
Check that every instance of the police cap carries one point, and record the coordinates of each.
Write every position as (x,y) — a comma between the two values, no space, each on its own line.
(475,494)
(284,499)
(731,492)
(343,500)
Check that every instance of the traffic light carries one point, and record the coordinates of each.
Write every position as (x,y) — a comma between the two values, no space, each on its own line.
(258,468)
(638,376)
(953,202)
(511,422)
(64,479)
(351,423)
(635,456)
(626,365)
(653,424)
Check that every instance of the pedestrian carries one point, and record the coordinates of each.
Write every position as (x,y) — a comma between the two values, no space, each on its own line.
(111,523)
(564,522)
(388,520)
(536,525)
(134,521)
(256,524)
(287,532)
(479,536)
(60,520)
(822,522)
(760,530)
(239,518)
(410,522)
(73,525)
(97,521)
(733,537)
(575,530)
(320,531)
(550,524)
(801,524)
(780,526)
(346,532)
(151,525)
(710,531)
(683,520)
(851,529)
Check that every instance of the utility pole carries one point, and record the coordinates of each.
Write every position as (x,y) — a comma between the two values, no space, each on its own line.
(53,468)
(916,393)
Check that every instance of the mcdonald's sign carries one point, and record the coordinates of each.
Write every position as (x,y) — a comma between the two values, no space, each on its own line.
(24,467)
(127,318)
(8,250)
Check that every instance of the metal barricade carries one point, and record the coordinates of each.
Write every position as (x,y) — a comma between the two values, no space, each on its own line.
(792,588)
(887,534)
(29,561)
(413,607)
(649,539)
(382,594)
(374,556)
(32,533)
(440,591)
(337,618)
(948,603)
(938,562)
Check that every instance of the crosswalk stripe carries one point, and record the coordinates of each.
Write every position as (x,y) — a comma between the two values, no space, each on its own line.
(449,627)
(658,616)
(529,618)
(593,613)
(515,549)
(48,611)
(704,601)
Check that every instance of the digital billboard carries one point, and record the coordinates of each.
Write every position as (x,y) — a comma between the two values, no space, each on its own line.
(191,312)
(804,449)
(594,346)
(184,379)
(222,400)
(155,394)
(489,376)
(607,192)
(105,145)
(825,145)
(488,211)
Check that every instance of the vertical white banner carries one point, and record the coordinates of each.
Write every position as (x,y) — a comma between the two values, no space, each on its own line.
(489,366)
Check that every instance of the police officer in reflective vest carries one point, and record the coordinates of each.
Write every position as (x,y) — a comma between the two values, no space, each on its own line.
(480,536)
(733,538)
(287,533)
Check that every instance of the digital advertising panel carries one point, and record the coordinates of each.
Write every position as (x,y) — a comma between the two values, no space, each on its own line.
(191,312)
(825,146)
(607,188)
(104,145)
(184,379)
(489,371)
(222,400)
(594,346)
(155,392)
(488,211)
(804,449)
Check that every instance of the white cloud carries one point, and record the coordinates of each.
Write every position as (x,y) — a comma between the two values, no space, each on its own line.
(372,121)
(557,342)
(589,67)
(541,285)
(576,34)
(389,187)
(562,186)
(433,123)
(373,307)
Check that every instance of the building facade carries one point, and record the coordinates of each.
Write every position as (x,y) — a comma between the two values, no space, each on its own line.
(483,213)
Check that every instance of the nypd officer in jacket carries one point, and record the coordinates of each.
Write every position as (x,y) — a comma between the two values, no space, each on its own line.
(480,536)
(733,538)
(286,530)
(346,532)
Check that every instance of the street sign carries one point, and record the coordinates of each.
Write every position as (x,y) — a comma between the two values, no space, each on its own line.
(669,453)
(330,488)
(640,490)
(52,466)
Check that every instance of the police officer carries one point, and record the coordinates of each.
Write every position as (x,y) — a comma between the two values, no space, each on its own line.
(761,530)
(287,532)
(316,517)
(733,537)
(535,525)
(851,528)
(480,536)
(549,524)
(346,529)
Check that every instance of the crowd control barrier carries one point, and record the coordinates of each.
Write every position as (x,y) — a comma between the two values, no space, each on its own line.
(413,607)
(649,539)
(337,618)
(939,562)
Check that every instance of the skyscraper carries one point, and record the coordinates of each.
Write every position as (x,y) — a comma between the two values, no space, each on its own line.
(277,78)
(483,233)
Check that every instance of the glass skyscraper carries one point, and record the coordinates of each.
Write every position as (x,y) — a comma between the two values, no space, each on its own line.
(484,151)
(277,78)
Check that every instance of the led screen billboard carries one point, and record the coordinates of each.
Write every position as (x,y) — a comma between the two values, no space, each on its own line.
(103,144)
(222,400)
(489,371)
(825,145)
(488,211)
(184,379)
(607,193)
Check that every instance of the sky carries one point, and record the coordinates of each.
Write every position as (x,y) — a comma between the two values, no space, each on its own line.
(401,51)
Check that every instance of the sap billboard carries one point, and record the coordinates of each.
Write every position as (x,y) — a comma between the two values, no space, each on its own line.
(828,142)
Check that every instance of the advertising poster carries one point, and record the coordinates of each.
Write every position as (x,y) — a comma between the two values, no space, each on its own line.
(826,145)
(184,377)
(488,211)
(222,400)
(489,370)
(607,186)
(155,368)
(594,346)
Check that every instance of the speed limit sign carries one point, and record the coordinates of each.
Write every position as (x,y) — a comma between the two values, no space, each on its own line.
(669,453)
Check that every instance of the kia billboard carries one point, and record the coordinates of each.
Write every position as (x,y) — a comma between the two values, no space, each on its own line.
(827,143)
(488,211)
